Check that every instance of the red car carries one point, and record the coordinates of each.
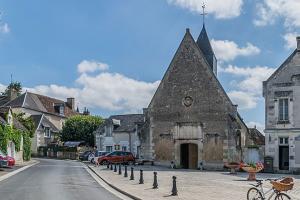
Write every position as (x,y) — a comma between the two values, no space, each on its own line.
(117,157)
(9,160)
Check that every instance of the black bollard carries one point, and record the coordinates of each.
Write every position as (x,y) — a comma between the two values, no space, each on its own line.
(141,177)
(115,169)
(111,166)
(155,184)
(120,170)
(107,166)
(174,188)
(125,173)
(131,174)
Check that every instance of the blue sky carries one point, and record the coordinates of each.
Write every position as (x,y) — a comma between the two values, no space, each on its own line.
(111,55)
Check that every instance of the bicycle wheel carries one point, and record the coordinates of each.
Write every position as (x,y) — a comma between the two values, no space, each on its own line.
(282,196)
(254,194)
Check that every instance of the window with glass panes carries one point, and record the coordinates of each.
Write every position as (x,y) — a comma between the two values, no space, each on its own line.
(284,109)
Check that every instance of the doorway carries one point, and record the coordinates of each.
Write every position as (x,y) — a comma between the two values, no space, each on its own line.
(189,156)
(284,157)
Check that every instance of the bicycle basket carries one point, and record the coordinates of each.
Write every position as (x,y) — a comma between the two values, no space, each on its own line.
(283,185)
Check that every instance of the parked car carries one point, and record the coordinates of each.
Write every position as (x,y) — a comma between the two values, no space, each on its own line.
(97,154)
(117,157)
(84,156)
(6,161)
(3,161)
(11,161)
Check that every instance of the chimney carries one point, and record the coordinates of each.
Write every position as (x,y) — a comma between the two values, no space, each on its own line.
(71,103)
(12,94)
(298,43)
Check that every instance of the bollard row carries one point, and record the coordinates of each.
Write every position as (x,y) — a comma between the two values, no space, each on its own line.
(174,191)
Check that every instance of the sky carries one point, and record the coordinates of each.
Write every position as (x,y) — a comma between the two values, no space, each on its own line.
(111,55)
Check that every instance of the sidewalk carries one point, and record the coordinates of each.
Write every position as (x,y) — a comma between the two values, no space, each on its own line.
(5,172)
(191,184)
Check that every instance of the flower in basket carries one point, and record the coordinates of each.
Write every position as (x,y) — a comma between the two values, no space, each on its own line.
(255,167)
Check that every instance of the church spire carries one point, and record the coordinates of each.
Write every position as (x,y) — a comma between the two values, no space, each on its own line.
(205,46)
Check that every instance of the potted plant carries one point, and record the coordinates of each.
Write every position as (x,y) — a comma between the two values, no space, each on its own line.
(252,169)
(232,166)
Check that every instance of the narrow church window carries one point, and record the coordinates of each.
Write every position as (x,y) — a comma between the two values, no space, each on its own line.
(283,109)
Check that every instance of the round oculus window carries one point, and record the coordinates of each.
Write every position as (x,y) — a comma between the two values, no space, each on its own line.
(188,101)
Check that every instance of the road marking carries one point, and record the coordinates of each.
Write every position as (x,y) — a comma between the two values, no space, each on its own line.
(6,176)
(107,187)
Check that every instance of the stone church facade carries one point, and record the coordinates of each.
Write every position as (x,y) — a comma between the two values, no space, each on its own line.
(190,120)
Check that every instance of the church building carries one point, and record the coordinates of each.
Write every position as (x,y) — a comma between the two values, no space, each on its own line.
(190,121)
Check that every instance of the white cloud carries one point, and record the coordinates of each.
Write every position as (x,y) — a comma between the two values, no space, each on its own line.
(259,126)
(269,10)
(222,10)
(290,39)
(244,100)
(228,50)
(4,28)
(91,66)
(106,91)
(248,89)
(2,88)
(252,77)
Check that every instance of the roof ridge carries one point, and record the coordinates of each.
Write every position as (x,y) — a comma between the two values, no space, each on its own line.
(41,95)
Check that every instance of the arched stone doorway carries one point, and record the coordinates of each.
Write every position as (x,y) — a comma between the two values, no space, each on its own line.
(189,156)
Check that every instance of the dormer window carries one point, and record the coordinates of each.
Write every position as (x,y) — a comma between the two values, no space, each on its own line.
(283,110)
(59,108)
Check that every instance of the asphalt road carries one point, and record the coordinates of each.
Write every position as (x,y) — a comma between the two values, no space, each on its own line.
(53,180)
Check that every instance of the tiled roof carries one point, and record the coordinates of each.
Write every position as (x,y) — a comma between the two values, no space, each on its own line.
(256,136)
(41,103)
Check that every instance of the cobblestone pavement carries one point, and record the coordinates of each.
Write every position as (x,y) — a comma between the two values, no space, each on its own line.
(191,184)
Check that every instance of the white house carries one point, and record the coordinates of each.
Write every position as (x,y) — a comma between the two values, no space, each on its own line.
(282,106)
(120,133)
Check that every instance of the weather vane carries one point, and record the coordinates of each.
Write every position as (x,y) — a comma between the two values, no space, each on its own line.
(203,13)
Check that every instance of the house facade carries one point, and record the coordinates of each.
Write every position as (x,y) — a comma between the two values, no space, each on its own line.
(47,113)
(282,114)
(120,133)
(7,119)
(190,120)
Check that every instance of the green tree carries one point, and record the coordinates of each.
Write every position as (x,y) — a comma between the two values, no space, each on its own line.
(17,86)
(80,128)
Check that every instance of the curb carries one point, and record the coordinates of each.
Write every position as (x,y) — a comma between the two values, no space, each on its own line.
(10,174)
(114,187)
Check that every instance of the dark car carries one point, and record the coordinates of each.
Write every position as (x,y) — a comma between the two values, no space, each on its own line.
(117,157)
(84,156)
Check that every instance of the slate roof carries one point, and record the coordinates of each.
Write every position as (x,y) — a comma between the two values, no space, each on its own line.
(127,122)
(41,121)
(123,123)
(256,136)
(41,103)
(205,46)
(3,99)
(204,43)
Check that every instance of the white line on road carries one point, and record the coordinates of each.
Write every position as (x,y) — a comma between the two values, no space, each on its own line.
(107,187)
(6,176)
